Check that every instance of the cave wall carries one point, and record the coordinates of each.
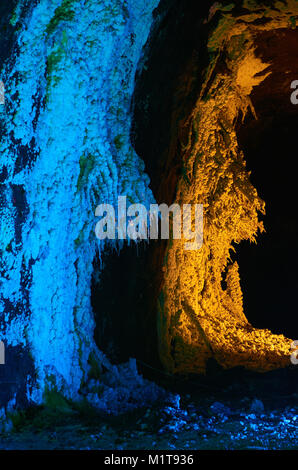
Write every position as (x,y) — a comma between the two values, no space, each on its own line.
(202,69)
(65,148)
(200,303)
(66,132)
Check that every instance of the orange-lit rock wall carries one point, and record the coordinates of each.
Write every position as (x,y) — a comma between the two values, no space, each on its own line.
(199,315)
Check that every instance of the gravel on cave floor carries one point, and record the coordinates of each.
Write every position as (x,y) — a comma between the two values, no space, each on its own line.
(242,411)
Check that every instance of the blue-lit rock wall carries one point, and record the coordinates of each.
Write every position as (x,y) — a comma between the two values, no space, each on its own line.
(65,148)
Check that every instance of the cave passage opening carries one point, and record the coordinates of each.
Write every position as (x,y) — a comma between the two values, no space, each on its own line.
(268,269)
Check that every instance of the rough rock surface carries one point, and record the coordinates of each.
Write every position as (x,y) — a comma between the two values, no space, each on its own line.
(65,148)
(199,316)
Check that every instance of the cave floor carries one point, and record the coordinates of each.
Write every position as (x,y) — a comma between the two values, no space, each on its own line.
(235,412)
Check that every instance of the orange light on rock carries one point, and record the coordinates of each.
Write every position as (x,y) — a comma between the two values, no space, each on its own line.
(198,318)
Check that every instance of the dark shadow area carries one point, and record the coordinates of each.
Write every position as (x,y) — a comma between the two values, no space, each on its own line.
(268,269)
(6,29)
(121,301)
